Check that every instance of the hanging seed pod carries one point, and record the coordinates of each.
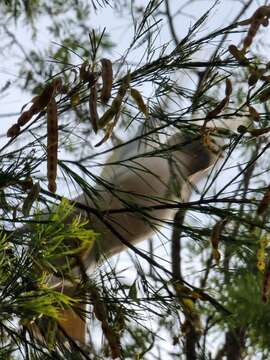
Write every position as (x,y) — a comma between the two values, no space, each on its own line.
(108,134)
(30,199)
(41,101)
(136,95)
(13,130)
(107,80)
(94,118)
(24,118)
(217,110)
(255,75)
(264,203)
(124,86)
(228,90)
(255,116)
(260,17)
(109,114)
(116,104)
(254,27)
(52,144)
(238,54)
(215,238)
(266,284)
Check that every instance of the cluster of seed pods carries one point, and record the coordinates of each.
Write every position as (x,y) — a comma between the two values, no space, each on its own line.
(110,117)
(45,100)
(259,18)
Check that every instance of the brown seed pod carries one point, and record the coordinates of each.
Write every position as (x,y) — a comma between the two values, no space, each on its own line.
(41,101)
(52,144)
(139,101)
(260,17)
(24,118)
(94,118)
(109,114)
(255,75)
(13,130)
(238,54)
(255,116)
(228,90)
(116,104)
(212,114)
(264,203)
(108,134)
(124,86)
(266,284)
(107,80)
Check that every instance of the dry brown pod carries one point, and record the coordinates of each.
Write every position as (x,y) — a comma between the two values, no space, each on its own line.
(108,134)
(115,107)
(52,144)
(13,130)
(255,116)
(94,118)
(238,54)
(107,80)
(24,118)
(217,110)
(228,90)
(136,95)
(41,101)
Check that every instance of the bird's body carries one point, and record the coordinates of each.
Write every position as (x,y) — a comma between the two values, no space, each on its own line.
(139,179)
